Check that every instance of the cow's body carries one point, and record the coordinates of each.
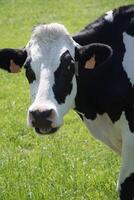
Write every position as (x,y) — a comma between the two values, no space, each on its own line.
(79,73)
(106,99)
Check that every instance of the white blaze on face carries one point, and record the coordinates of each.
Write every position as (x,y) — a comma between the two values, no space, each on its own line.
(34,89)
(47,44)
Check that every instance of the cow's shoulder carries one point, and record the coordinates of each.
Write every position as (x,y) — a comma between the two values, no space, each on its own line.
(109,26)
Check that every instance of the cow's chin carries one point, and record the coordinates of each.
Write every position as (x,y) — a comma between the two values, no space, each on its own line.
(43,131)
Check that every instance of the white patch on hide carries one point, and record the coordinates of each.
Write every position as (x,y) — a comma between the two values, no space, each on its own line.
(109,16)
(127,162)
(128,60)
(108,132)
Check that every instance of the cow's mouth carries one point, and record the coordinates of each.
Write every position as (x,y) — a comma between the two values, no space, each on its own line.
(44,131)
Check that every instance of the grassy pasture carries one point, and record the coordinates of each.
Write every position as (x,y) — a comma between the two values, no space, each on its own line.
(69,165)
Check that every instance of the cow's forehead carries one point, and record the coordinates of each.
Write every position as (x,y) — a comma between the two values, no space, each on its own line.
(47,44)
(50,39)
(49,32)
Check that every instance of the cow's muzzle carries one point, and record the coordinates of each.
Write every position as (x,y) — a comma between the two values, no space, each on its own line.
(43,121)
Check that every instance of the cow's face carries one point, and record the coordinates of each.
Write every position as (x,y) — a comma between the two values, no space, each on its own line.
(50,69)
(51,63)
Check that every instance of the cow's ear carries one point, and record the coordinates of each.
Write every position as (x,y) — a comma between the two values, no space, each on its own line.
(14,68)
(94,55)
(12,60)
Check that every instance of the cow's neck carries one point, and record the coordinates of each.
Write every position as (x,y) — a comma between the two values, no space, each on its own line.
(87,93)
(97,94)
(93,96)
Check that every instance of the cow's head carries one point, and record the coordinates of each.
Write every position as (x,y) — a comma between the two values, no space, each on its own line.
(51,61)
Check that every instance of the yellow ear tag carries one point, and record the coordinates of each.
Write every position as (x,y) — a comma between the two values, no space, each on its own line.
(14,68)
(90,64)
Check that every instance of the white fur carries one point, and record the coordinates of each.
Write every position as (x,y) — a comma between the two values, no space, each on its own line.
(127,165)
(128,60)
(34,89)
(109,16)
(103,129)
(47,44)
(119,138)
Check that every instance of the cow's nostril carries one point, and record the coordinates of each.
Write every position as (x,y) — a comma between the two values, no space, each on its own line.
(41,119)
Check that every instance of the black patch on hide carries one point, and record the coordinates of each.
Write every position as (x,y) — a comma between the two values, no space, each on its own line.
(63,78)
(29,72)
(127,188)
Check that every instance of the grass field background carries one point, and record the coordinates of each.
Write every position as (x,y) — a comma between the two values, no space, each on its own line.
(69,165)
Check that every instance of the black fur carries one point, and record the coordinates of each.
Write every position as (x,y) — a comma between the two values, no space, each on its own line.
(29,72)
(107,90)
(127,188)
(63,78)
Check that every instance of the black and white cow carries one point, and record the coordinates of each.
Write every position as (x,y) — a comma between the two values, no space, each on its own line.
(93,73)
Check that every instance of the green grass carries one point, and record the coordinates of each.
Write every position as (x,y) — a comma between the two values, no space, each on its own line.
(69,165)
